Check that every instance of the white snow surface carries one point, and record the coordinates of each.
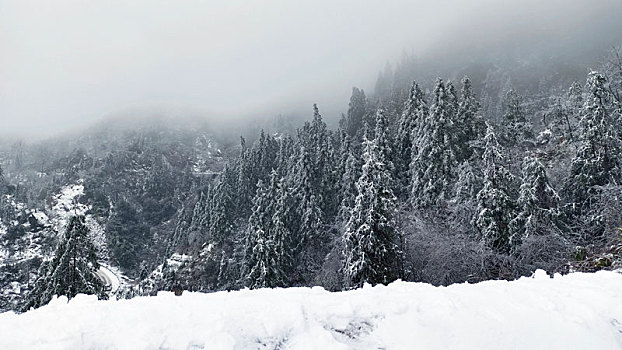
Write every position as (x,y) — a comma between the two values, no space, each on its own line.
(66,205)
(576,311)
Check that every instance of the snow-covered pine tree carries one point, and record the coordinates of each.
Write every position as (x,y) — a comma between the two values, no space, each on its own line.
(597,162)
(321,171)
(260,255)
(538,203)
(371,243)
(247,183)
(495,206)
(470,126)
(433,166)
(200,221)
(516,128)
(351,174)
(286,150)
(342,151)
(312,233)
(415,110)
(355,117)
(469,183)
(71,270)
(325,166)
(452,99)
(222,208)
(281,230)
(263,272)
(567,113)
(264,156)
(385,143)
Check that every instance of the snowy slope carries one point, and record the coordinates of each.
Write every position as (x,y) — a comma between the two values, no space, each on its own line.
(38,242)
(577,311)
(66,205)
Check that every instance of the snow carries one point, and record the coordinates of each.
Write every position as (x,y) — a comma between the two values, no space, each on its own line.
(576,311)
(110,279)
(40,217)
(66,205)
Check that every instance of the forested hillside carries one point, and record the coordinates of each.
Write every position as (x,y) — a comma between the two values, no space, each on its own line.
(440,181)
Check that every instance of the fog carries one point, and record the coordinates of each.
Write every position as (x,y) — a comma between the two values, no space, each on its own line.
(66,64)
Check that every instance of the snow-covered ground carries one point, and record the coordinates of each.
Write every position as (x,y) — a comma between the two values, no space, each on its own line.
(66,205)
(577,311)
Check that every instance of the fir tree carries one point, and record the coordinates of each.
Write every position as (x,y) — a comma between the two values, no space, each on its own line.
(470,126)
(260,253)
(263,267)
(415,110)
(433,167)
(384,142)
(282,226)
(372,253)
(246,181)
(469,183)
(597,162)
(351,174)
(286,150)
(200,220)
(538,203)
(495,207)
(71,270)
(516,127)
(357,112)
(222,208)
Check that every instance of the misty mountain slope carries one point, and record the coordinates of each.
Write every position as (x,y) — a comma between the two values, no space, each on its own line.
(577,311)
(472,184)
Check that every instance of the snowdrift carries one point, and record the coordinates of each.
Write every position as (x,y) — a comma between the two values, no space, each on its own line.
(577,311)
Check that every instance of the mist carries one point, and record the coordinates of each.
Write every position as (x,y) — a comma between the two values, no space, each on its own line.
(67,64)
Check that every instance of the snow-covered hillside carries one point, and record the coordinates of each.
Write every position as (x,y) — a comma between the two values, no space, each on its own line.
(577,311)
(34,237)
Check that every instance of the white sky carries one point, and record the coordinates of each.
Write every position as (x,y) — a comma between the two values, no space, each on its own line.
(67,63)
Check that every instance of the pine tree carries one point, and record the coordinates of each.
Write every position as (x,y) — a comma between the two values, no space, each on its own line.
(200,220)
(384,142)
(433,167)
(351,174)
(415,110)
(282,227)
(470,126)
(263,268)
(72,270)
(260,255)
(286,150)
(372,253)
(565,113)
(324,166)
(246,181)
(495,207)
(265,156)
(357,112)
(452,100)
(538,203)
(221,209)
(469,183)
(597,162)
(516,127)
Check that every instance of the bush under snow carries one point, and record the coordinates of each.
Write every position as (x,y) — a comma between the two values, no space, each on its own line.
(576,311)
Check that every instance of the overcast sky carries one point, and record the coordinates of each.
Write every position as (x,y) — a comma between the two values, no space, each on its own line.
(67,63)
